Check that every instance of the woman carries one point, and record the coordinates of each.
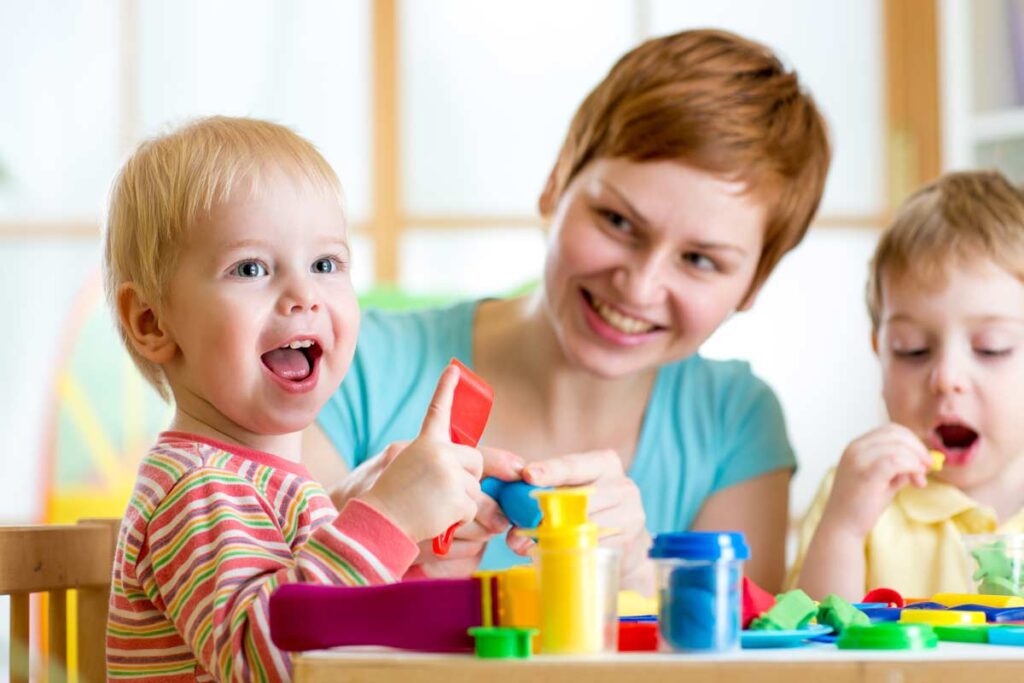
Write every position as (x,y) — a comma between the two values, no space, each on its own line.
(685,176)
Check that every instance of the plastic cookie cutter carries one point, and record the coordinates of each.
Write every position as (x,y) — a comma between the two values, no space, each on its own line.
(471,406)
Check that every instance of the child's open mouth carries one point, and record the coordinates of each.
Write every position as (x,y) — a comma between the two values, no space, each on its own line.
(958,442)
(294,363)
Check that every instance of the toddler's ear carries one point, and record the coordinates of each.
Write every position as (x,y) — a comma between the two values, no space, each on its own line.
(874,342)
(142,326)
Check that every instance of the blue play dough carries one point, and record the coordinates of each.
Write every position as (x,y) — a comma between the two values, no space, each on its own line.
(700,608)
(515,501)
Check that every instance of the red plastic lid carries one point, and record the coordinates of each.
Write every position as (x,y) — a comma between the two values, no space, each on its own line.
(886,595)
(638,636)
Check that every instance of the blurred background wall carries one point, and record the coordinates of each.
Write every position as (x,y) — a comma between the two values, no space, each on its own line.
(443,118)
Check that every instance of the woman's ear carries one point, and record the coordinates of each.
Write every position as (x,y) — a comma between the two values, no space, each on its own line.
(142,326)
(548,201)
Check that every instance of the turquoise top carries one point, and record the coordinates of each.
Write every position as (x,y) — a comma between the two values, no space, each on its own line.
(708,425)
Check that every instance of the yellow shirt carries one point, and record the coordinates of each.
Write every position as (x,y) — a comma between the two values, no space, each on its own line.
(915,546)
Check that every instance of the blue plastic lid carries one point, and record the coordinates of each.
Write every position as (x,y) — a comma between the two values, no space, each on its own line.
(700,545)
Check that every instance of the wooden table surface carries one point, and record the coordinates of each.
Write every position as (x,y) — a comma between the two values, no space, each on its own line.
(815,663)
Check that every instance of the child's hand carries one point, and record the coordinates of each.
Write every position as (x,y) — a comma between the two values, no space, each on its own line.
(873,468)
(432,483)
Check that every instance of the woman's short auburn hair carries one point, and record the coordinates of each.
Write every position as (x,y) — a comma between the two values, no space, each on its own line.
(720,103)
(961,218)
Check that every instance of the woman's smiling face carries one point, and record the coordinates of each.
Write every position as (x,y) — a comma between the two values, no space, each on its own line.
(645,261)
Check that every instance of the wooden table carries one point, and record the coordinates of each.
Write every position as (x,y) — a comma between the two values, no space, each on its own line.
(815,663)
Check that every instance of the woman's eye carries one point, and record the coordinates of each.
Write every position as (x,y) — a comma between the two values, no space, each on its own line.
(700,261)
(325,265)
(617,221)
(250,269)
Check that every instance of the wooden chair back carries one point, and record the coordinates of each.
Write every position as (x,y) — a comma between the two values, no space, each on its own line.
(54,559)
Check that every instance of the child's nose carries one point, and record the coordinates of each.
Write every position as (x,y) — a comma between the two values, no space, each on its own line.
(299,295)
(949,374)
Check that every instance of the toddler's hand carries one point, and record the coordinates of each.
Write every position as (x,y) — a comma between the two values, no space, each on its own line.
(873,468)
(432,483)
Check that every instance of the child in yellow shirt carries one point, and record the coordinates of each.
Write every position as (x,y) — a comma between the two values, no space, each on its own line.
(946,298)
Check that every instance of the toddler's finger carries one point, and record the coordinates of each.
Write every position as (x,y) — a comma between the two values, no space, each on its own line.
(438,420)
(463,549)
(489,514)
(469,459)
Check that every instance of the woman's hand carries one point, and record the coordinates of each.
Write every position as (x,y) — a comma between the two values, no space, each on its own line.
(614,504)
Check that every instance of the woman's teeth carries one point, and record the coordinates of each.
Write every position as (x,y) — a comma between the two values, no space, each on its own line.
(622,323)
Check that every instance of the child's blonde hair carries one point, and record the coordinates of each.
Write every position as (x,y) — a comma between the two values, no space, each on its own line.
(960,217)
(173,179)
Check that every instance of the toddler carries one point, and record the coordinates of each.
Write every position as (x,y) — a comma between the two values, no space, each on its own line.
(227,264)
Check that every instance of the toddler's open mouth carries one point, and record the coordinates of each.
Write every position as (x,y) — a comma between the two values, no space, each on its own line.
(958,442)
(294,361)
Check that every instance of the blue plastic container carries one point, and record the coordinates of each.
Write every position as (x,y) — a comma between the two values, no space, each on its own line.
(700,585)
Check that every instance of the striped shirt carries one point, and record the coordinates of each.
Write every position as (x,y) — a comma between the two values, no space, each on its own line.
(210,531)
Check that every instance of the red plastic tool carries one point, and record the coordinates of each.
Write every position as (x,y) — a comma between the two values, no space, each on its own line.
(886,595)
(756,601)
(471,406)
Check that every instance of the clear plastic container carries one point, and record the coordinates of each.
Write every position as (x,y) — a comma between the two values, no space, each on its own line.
(700,576)
(579,590)
(997,563)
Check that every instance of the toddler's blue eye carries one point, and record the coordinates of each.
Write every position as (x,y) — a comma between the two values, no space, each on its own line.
(249,269)
(324,265)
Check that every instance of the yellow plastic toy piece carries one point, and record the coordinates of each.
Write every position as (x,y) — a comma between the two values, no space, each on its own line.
(519,603)
(632,604)
(941,617)
(570,618)
(938,460)
(954,599)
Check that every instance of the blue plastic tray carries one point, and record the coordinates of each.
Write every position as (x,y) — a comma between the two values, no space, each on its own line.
(751,640)
(1006,635)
